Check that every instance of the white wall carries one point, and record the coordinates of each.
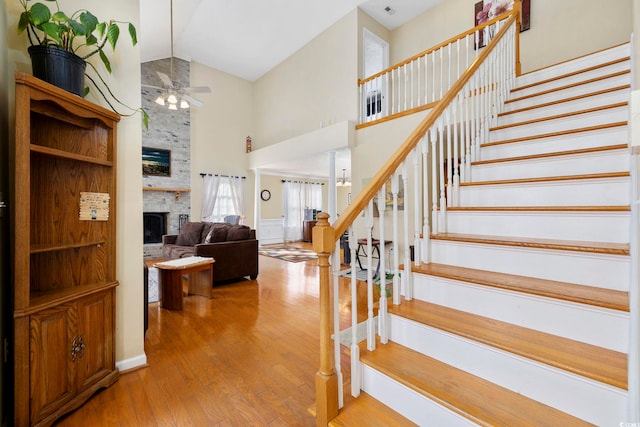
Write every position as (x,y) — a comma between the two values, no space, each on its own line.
(125,82)
(316,84)
(218,133)
(560,30)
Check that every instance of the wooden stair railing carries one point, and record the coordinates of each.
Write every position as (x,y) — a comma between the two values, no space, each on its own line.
(326,236)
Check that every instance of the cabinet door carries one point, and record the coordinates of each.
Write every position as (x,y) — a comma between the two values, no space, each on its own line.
(95,330)
(52,370)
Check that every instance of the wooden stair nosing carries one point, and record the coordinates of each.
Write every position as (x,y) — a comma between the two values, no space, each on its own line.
(552,154)
(569,86)
(560,101)
(551,244)
(575,73)
(623,208)
(588,295)
(586,360)
(603,175)
(472,397)
(561,116)
(554,134)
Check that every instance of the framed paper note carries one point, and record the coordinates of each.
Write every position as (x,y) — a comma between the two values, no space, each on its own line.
(94,206)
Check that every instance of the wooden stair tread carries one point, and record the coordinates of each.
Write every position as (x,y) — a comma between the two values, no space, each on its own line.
(548,178)
(574,73)
(599,364)
(591,295)
(560,116)
(555,134)
(569,86)
(624,208)
(566,245)
(563,100)
(553,154)
(461,392)
(365,411)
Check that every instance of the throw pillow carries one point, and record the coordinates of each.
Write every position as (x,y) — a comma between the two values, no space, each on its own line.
(218,233)
(238,232)
(189,234)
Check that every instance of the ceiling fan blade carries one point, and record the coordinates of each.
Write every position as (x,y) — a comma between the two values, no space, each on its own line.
(152,87)
(165,79)
(192,100)
(199,89)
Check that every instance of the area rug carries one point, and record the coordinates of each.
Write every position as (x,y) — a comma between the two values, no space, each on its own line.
(288,253)
(153,285)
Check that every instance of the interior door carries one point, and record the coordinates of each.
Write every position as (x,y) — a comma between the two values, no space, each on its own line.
(376,59)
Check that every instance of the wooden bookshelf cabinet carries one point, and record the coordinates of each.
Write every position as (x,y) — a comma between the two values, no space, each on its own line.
(63,262)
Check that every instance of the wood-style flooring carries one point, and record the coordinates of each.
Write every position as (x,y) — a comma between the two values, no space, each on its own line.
(247,357)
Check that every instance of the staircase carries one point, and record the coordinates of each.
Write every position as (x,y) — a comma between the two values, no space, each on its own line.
(522,315)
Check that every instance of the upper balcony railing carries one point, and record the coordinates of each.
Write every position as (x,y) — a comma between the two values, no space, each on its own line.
(416,83)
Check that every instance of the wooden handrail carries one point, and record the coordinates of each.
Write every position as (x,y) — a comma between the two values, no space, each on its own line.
(385,172)
(441,45)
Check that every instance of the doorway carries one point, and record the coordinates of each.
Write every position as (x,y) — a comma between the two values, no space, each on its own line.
(375,59)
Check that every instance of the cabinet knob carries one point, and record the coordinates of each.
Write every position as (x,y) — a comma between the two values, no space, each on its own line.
(77,348)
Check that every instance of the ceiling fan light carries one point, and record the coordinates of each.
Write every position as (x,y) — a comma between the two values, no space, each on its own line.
(173,107)
(160,100)
(172,99)
(184,104)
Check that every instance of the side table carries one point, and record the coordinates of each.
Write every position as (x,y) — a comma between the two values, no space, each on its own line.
(170,286)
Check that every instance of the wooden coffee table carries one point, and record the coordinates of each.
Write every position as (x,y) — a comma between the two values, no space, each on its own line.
(170,287)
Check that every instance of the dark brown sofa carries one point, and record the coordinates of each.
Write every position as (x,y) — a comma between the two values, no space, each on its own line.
(234,247)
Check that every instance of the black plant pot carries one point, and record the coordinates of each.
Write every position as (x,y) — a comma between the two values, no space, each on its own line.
(59,67)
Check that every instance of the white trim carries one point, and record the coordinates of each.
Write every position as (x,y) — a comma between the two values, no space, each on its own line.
(132,363)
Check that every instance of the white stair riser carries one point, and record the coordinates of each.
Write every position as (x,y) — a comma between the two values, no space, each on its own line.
(595,402)
(578,192)
(576,164)
(571,80)
(515,102)
(591,325)
(591,139)
(610,227)
(590,269)
(565,107)
(412,405)
(612,115)
(574,65)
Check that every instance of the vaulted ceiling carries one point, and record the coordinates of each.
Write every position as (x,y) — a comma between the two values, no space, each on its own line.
(247,38)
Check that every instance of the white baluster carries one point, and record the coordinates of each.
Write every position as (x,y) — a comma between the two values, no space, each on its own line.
(407,277)
(383,329)
(406,85)
(417,206)
(371,340)
(433,76)
(355,350)
(442,226)
(426,79)
(418,81)
(396,246)
(336,322)
(449,159)
(426,233)
(456,169)
(411,77)
(435,225)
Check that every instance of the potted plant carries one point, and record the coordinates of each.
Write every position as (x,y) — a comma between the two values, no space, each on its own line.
(61,43)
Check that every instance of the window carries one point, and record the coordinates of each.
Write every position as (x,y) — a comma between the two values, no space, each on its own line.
(223,196)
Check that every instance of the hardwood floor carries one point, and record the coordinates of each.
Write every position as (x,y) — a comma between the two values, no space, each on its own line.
(247,357)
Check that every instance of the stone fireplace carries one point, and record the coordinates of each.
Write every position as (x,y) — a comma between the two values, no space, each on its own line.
(166,198)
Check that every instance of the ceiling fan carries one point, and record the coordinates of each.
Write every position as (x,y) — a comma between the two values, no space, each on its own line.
(172,95)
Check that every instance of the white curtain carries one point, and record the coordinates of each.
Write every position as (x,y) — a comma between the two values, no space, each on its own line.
(298,196)
(237,196)
(210,193)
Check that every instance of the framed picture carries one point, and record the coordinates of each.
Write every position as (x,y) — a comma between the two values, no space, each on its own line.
(156,161)
(485,10)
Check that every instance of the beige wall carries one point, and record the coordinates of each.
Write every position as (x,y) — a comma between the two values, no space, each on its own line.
(271,209)
(314,85)
(560,30)
(218,133)
(125,82)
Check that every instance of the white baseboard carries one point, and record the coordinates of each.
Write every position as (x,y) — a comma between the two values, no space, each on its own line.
(132,363)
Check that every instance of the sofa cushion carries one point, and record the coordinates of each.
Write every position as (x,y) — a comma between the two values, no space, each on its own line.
(238,232)
(189,234)
(217,233)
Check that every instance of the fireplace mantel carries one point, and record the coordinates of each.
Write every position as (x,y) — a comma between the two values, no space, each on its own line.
(177,191)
